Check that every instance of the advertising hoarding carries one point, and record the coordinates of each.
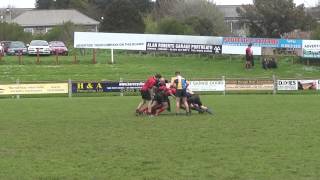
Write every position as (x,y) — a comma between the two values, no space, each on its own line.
(287,85)
(81,87)
(311,48)
(21,89)
(128,41)
(227,49)
(207,86)
(184,47)
(257,85)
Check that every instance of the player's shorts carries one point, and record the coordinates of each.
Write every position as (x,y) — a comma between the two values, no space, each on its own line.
(161,98)
(195,99)
(181,93)
(145,95)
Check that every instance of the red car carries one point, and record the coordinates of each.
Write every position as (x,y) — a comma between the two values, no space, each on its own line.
(58,47)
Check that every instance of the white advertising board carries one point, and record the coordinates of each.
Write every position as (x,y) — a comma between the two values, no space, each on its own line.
(287,85)
(318,85)
(227,49)
(311,48)
(207,85)
(93,40)
(56,88)
(129,41)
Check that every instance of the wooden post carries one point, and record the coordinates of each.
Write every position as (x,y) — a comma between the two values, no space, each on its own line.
(38,57)
(20,57)
(75,56)
(57,57)
(94,56)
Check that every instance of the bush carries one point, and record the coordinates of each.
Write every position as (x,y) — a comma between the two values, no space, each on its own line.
(13,32)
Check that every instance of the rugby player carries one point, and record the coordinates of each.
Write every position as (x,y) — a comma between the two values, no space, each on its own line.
(181,84)
(195,103)
(147,94)
(161,101)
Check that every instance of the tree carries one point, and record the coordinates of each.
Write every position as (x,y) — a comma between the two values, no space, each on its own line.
(200,26)
(13,32)
(44,4)
(80,5)
(122,16)
(143,6)
(64,32)
(201,15)
(173,26)
(271,18)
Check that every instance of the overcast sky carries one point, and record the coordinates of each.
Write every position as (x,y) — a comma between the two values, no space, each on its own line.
(30,3)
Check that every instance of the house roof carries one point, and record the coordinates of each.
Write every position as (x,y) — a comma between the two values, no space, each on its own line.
(229,11)
(53,18)
(8,13)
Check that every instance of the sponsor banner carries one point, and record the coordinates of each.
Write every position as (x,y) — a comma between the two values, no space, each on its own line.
(56,88)
(184,47)
(129,41)
(311,48)
(227,49)
(290,43)
(307,84)
(258,42)
(106,87)
(287,85)
(207,85)
(93,40)
(257,85)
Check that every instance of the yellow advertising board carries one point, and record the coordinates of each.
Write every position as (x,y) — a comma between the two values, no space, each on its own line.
(240,85)
(12,89)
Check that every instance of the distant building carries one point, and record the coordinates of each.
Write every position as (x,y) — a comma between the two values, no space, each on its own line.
(232,19)
(8,14)
(42,21)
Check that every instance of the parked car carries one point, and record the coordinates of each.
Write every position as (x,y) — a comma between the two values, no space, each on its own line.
(17,47)
(39,46)
(5,45)
(58,47)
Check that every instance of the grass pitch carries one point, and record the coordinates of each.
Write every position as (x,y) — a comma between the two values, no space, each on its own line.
(139,67)
(249,137)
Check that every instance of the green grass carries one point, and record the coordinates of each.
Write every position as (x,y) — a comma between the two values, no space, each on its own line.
(250,137)
(138,67)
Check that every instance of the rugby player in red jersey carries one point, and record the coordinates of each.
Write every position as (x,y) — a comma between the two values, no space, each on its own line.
(161,101)
(147,93)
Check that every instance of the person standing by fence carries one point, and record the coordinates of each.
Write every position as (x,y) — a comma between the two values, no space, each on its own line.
(249,56)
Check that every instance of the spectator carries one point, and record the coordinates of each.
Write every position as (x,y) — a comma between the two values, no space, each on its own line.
(269,63)
(249,57)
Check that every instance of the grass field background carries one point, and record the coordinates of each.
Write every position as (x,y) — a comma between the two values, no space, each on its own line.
(138,67)
(250,137)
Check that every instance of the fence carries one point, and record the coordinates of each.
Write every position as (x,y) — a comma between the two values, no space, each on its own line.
(223,85)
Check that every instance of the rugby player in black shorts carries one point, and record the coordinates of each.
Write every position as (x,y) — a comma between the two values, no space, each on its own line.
(195,103)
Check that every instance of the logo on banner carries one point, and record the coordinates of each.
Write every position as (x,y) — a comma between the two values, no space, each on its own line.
(287,85)
(217,49)
(207,86)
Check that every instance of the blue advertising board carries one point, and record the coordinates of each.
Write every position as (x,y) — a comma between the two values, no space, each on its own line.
(95,87)
(290,43)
